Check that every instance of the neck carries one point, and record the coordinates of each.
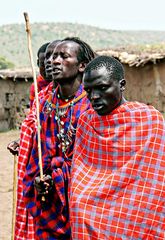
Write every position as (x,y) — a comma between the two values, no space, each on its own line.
(68,90)
(123,100)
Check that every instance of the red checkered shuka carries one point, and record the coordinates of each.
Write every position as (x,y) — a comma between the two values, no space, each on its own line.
(117,177)
(52,219)
(41,84)
(24,227)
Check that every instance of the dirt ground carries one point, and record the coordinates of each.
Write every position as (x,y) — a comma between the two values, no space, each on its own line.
(6,184)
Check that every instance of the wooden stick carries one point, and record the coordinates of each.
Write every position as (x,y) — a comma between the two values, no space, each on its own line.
(36,90)
(14,196)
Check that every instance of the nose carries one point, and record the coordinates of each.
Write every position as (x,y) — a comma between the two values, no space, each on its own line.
(94,95)
(56,59)
(48,63)
(48,60)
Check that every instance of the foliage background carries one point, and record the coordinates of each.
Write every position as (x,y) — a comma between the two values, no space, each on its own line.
(13,42)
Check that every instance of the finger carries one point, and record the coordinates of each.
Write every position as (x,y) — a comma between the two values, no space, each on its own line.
(46,184)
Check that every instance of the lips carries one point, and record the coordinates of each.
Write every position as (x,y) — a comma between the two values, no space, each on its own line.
(56,70)
(48,69)
(97,106)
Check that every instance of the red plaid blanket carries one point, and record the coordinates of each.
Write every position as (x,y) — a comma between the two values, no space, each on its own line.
(52,220)
(24,227)
(41,84)
(117,179)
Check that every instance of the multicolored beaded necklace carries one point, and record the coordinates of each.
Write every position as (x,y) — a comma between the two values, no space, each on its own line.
(64,134)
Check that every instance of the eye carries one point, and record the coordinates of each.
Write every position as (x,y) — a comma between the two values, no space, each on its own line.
(64,55)
(48,55)
(103,87)
(54,56)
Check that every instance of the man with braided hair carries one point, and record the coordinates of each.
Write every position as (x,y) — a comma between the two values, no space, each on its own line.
(59,113)
(117,177)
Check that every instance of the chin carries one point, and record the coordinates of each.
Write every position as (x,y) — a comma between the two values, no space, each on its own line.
(100,113)
(57,77)
(49,77)
(103,112)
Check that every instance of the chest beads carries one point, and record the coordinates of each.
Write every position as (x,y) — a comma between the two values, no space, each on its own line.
(65,134)
(66,130)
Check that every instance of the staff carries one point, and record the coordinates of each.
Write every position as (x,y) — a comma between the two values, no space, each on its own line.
(36,91)
(14,196)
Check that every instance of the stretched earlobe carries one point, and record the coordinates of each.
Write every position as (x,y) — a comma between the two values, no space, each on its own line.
(122,89)
(122,84)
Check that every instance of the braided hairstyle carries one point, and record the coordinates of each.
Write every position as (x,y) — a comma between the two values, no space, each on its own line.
(85,54)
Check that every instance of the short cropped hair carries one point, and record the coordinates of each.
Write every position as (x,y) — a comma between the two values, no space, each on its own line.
(113,66)
(42,49)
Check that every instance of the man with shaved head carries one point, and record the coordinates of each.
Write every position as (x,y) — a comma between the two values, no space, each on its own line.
(117,177)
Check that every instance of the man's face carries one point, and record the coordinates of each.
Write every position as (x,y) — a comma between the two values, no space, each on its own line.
(48,60)
(65,64)
(41,64)
(103,91)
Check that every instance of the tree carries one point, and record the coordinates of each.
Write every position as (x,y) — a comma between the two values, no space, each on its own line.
(4,63)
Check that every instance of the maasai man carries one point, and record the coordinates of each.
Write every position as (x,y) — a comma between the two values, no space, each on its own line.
(24,228)
(42,80)
(59,113)
(117,177)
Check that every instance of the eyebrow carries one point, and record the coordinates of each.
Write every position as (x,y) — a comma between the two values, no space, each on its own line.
(98,83)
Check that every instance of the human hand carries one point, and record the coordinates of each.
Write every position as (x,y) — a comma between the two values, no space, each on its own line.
(13,147)
(43,186)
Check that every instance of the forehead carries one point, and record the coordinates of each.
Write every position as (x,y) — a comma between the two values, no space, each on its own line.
(51,46)
(96,76)
(67,46)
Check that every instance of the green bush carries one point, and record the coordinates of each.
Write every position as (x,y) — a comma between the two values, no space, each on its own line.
(4,63)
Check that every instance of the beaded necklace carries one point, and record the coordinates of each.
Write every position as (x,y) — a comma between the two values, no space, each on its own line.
(65,134)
